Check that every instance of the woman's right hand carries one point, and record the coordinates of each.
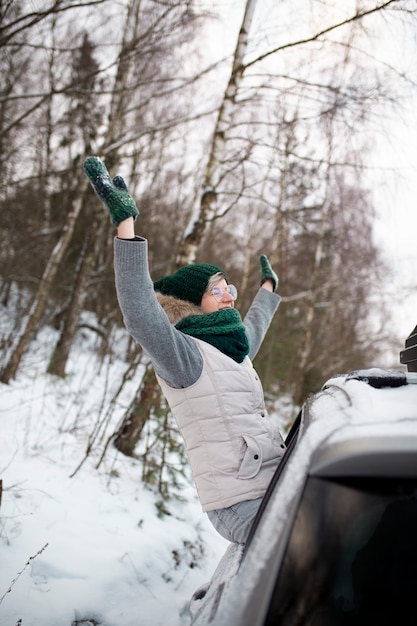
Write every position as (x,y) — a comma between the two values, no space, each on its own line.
(113,193)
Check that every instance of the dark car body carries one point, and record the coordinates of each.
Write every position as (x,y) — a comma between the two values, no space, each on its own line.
(335,541)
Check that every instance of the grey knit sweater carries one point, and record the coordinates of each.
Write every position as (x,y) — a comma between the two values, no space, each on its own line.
(174,355)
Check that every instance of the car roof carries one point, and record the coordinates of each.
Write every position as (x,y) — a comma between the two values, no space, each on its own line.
(375,426)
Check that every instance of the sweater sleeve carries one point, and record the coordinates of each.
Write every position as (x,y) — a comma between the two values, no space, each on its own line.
(174,356)
(259,317)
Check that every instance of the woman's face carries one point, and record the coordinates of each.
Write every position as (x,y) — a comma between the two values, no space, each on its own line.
(209,303)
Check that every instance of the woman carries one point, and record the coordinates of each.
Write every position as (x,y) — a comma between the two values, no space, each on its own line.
(201,352)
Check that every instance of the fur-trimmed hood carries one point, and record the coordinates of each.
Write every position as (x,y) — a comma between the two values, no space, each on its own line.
(177,309)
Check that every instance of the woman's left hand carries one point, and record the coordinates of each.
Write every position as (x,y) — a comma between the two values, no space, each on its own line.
(268,276)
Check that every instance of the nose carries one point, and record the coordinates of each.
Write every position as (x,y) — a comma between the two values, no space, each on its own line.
(227,297)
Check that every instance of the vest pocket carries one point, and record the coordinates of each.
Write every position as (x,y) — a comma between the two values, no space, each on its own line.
(252,458)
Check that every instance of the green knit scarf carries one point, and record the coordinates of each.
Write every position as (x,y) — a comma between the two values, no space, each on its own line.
(222,329)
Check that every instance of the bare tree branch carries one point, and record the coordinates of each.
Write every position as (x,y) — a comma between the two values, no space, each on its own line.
(357,16)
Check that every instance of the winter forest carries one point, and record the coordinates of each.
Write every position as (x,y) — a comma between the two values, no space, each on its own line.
(242,127)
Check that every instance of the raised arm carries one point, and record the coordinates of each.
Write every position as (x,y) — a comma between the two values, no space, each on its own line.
(174,355)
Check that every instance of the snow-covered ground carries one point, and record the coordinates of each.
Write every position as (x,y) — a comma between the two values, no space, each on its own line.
(88,549)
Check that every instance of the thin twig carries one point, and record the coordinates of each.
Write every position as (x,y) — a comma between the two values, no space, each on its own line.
(16,578)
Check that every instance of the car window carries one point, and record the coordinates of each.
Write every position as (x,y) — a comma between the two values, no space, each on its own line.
(351,557)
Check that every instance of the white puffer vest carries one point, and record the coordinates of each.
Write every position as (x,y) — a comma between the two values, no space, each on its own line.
(232,446)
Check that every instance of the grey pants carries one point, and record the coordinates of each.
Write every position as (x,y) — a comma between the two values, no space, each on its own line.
(235,522)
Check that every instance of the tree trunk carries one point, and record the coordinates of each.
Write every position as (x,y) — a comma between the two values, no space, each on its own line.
(59,358)
(306,342)
(214,170)
(131,429)
(57,364)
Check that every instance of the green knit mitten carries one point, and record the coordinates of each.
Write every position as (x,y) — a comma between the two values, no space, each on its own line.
(267,272)
(113,193)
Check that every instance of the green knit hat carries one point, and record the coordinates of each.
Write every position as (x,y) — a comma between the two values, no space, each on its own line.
(188,283)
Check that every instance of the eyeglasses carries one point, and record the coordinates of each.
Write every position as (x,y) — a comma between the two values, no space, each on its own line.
(218,293)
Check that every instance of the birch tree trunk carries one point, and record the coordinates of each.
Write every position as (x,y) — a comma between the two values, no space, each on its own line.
(301,366)
(314,287)
(208,203)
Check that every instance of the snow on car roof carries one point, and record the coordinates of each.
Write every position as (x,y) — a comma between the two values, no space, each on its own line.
(353,399)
